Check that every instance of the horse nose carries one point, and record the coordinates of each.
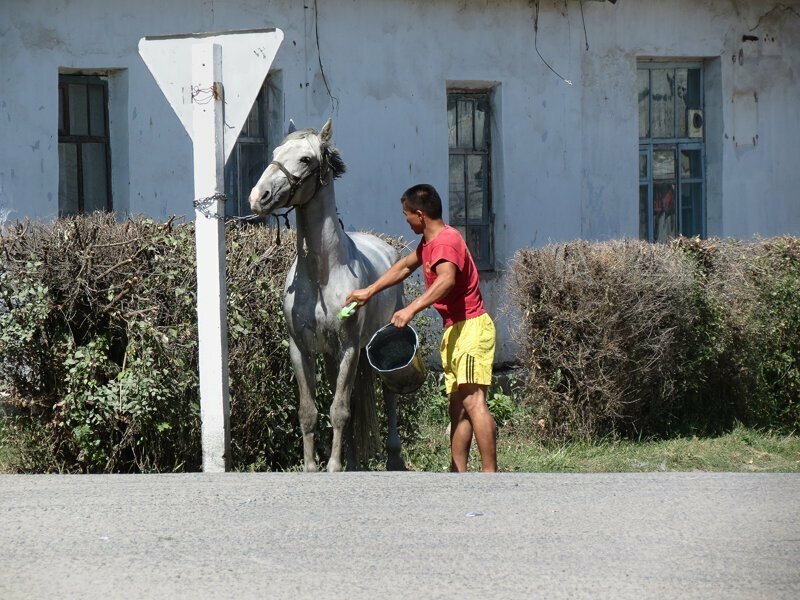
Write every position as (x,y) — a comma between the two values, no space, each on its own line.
(256,199)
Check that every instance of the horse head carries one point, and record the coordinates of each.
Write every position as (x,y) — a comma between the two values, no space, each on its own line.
(304,162)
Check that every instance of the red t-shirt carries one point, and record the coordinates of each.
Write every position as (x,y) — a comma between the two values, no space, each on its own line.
(464,301)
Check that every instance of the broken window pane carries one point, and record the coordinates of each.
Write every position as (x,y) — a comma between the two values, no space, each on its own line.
(643,84)
(691,209)
(481,124)
(465,124)
(642,212)
(452,137)
(664,204)
(663,103)
(691,167)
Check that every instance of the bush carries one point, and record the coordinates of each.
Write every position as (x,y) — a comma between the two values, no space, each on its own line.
(629,338)
(98,348)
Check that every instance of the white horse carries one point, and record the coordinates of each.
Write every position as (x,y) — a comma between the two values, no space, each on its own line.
(330,263)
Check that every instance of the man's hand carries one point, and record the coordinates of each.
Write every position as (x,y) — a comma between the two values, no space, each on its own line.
(360,296)
(402,317)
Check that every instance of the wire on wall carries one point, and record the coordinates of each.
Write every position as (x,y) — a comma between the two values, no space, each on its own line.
(585,36)
(334,99)
(536,47)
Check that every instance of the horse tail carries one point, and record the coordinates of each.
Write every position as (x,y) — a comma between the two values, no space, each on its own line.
(364,414)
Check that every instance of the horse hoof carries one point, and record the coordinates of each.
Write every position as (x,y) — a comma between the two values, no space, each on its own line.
(310,467)
(334,466)
(396,464)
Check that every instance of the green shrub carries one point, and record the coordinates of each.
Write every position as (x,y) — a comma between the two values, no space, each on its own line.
(98,349)
(628,338)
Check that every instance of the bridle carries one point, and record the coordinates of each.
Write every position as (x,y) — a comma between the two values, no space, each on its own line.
(295,182)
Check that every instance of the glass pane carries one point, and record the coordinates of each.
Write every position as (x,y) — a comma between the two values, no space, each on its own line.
(642,165)
(78,113)
(643,85)
(482,124)
(691,209)
(67,179)
(253,161)
(663,101)
(252,126)
(452,139)
(642,212)
(478,244)
(465,124)
(664,163)
(694,91)
(232,183)
(664,225)
(457,197)
(691,166)
(681,89)
(477,187)
(97,111)
(61,92)
(95,189)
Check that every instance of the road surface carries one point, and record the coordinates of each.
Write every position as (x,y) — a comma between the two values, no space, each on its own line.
(400,535)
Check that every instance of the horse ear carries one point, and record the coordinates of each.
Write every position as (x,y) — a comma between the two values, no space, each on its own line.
(291,128)
(326,133)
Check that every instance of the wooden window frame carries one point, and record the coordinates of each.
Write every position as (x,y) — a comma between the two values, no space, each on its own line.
(65,135)
(486,223)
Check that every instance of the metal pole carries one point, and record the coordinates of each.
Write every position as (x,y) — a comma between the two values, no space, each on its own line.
(210,247)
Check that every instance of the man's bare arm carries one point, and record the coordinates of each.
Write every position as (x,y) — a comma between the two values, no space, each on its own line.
(396,273)
(445,281)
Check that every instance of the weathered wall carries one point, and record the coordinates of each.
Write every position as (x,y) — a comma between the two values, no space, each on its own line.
(565,157)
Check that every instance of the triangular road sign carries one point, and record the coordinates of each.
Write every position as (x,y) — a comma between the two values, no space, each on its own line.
(246,58)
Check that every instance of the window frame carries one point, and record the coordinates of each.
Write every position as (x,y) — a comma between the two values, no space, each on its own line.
(679,143)
(486,223)
(65,136)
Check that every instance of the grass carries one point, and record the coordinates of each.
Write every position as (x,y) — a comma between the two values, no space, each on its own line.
(741,450)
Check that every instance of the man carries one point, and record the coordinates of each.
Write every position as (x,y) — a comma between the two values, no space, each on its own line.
(468,343)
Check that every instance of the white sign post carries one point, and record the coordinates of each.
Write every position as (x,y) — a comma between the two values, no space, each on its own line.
(212,326)
(189,70)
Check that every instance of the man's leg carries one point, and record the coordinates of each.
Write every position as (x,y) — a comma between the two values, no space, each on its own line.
(473,399)
(460,433)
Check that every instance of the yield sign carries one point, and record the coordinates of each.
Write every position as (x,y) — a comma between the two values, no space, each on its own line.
(246,58)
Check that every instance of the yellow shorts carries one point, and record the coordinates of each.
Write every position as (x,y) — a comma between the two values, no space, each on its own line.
(468,352)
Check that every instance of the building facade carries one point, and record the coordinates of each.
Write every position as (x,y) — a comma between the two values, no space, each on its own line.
(539,121)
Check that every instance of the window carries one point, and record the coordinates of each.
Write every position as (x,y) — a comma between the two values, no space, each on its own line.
(84,184)
(470,177)
(671,151)
(253,149)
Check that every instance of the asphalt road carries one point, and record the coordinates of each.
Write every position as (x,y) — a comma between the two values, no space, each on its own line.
(400,535)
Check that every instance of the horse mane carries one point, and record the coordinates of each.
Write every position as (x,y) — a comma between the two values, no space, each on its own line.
(330,153)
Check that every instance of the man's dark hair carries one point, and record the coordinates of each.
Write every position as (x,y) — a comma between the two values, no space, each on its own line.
(424,197)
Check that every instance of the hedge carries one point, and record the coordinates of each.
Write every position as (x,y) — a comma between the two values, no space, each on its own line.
(626,338)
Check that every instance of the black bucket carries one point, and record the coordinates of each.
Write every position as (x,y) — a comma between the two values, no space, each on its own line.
(392,352)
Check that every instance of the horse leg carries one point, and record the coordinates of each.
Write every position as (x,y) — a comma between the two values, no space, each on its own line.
(331,373)
(394,460)
(303,365)
(340,407)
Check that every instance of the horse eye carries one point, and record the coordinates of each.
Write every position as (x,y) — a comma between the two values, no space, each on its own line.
(305,160)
